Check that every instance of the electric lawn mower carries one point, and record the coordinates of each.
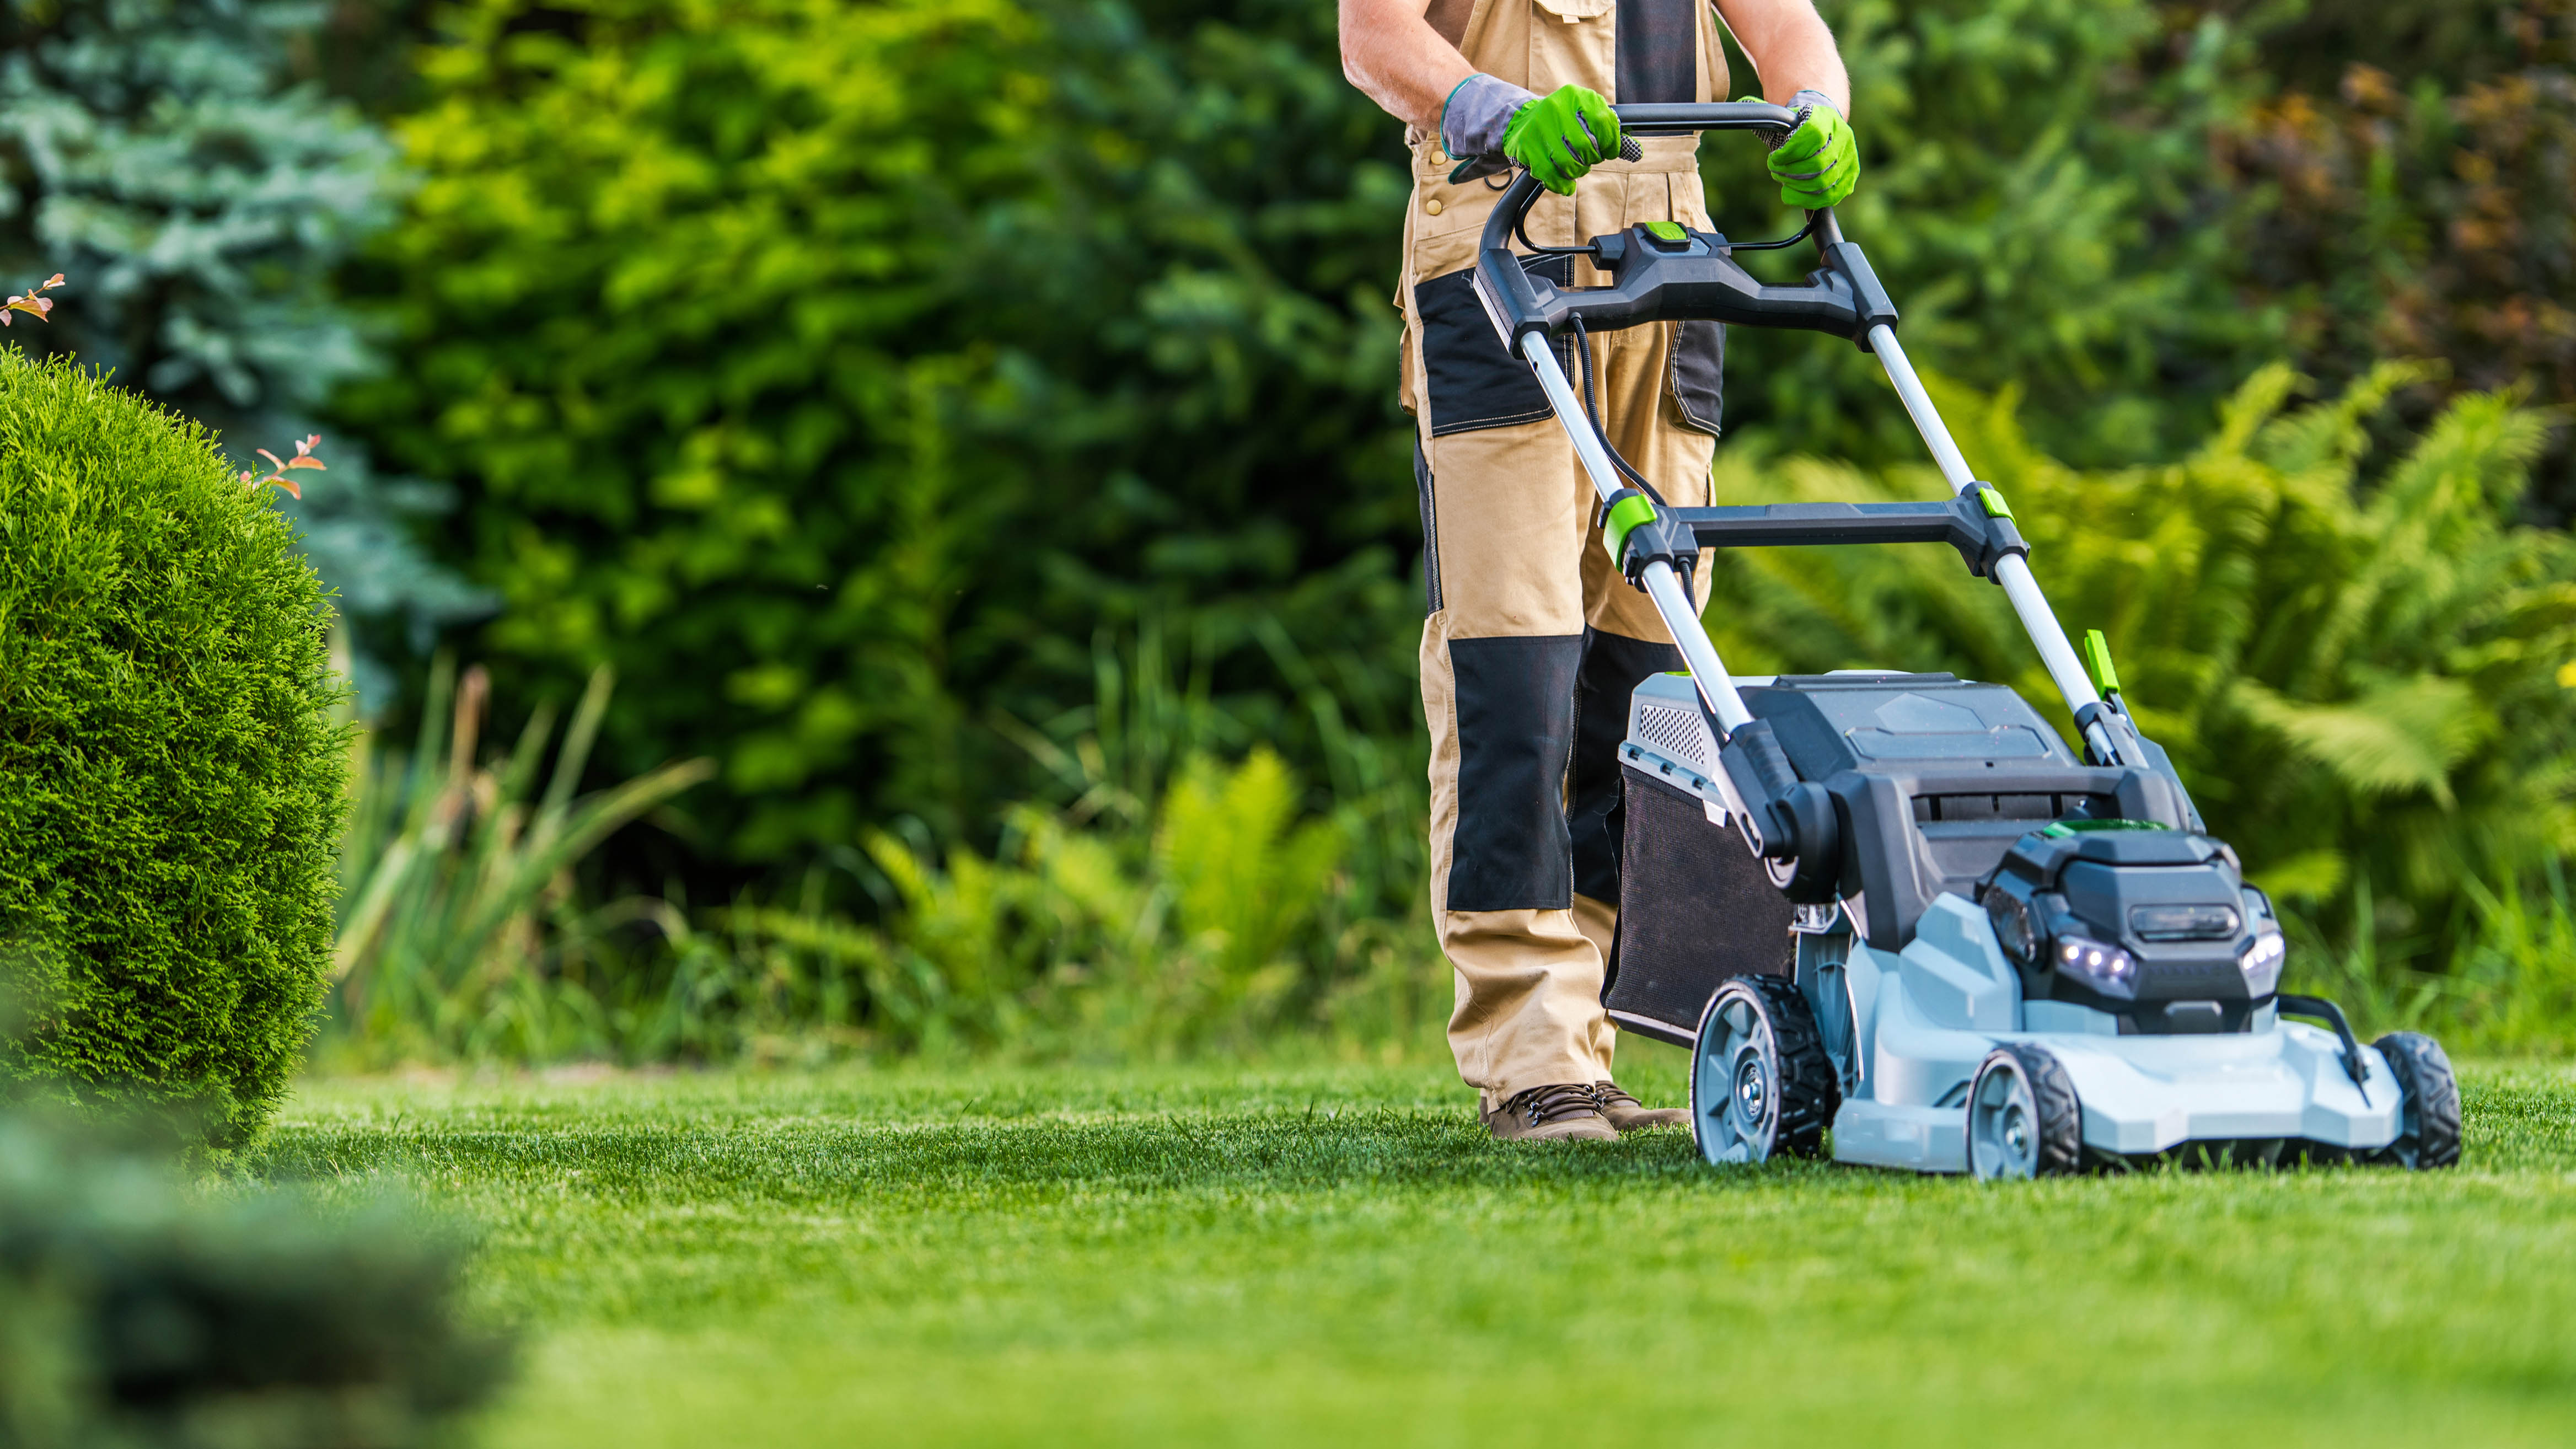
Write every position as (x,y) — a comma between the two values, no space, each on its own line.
(1898,906)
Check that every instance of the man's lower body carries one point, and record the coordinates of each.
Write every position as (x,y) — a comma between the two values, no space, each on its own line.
(1531,647)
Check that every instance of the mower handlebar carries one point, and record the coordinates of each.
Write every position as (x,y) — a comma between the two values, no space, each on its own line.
(1675,120)
(1675,274)
(1656,120)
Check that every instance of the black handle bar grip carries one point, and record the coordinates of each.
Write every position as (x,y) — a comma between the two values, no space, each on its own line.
(1663,120)
(1518,303)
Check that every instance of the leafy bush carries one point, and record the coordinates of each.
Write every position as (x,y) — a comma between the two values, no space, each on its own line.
(670,289)
(794,375)
(171,775)
(1174,904)
(135,1315)
(2038,197)
(459,932)
(2405,190)
(2359,675)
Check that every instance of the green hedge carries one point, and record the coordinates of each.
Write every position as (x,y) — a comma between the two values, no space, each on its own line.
(171,777)
(814,365)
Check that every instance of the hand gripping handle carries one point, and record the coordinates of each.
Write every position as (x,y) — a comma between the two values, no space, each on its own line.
(1493,163)
(1634,121)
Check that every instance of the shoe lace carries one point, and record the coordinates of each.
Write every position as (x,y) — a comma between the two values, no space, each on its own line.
(1611,1094)
(1553,1104)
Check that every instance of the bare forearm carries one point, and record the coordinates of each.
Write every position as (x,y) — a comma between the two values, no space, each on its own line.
(1790,48)
(1394,56)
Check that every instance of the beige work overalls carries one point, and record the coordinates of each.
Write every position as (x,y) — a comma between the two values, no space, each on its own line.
(1532,641)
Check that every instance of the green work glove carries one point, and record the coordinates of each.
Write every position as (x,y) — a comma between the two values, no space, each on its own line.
(1562,135)
(1817,164)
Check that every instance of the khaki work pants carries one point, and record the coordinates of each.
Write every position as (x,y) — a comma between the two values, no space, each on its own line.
(1532,641)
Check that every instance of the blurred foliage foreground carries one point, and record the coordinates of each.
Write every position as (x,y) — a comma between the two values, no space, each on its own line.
(140,1310)
(2356,661)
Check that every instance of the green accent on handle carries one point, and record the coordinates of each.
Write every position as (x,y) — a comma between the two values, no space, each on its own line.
(1993,498)
(2064,828)
(2097,657)
(1666,231)
(1625,514)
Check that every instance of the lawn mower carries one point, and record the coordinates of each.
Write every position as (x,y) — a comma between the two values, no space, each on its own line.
(1901,907)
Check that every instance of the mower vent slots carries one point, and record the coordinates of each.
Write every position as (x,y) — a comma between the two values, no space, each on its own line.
(1677,732)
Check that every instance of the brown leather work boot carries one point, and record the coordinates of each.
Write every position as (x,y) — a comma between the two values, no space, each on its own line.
(1566,1113)
(1630,1115)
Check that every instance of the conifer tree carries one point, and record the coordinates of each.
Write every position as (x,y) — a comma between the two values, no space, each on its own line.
(161,155)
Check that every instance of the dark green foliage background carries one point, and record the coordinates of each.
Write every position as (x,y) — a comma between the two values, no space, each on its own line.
(197,194)
(839,374)
(845,375)
(857,379)
(170,771)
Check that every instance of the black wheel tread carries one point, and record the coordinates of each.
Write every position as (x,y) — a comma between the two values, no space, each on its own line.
(2061,1113)
(2430,1124)
(1810,1090)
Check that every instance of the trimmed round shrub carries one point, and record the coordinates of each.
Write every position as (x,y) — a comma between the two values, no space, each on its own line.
(171,771)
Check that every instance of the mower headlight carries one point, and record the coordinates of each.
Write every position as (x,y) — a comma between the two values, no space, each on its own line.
(2107,969)
(2261,963)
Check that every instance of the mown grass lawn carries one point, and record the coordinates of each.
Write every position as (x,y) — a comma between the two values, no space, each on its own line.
(1336,1256)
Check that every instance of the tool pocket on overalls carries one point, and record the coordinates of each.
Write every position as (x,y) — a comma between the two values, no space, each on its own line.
(1473,383)
(1698,373)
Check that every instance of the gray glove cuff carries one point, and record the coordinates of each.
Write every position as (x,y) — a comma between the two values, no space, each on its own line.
(1472,122)
(1804,99)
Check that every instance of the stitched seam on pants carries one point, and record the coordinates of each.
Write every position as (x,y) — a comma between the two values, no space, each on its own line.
(1479,425)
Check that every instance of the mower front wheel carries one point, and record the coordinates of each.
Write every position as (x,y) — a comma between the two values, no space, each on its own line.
(2428,1127)
(1761,1081)
(2023,1116)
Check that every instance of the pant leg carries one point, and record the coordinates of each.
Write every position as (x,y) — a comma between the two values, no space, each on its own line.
(1499,659)
(1526,620)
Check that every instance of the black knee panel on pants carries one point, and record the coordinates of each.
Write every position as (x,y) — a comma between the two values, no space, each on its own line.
(1515,699)
(1612,667)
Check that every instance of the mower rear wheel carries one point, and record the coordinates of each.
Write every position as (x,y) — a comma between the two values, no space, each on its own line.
(2023,1116)
(1761,1081)
(2428,1108)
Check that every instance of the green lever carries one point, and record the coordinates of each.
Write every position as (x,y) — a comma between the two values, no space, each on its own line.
(2097,657)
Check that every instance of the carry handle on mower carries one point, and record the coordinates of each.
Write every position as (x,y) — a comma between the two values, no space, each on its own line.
(1667,273)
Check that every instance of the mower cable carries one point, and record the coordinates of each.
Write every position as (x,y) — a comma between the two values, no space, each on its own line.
(1520,233)
(1792,239)
(1592,415)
